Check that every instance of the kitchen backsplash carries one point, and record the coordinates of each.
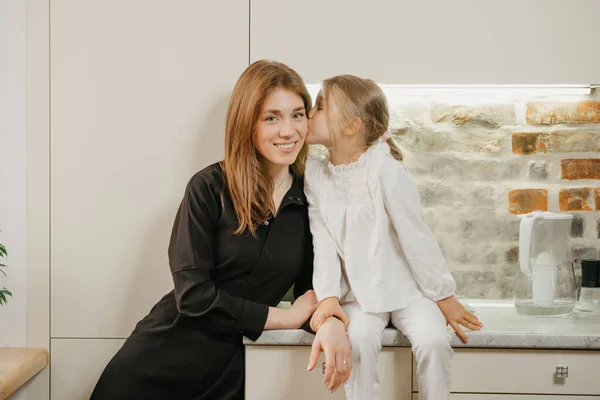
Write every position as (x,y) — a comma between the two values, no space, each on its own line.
(480,162)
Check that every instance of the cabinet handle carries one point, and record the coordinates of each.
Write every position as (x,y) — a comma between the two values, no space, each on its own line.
(323,368)
(562,371)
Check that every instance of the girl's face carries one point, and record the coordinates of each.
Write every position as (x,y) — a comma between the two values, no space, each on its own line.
(318,128)
(281,128)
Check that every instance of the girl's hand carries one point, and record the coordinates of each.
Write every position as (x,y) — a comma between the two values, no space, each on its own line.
(330,307)
(456,315)
(303,308)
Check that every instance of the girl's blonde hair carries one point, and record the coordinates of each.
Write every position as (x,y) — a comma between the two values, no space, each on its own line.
(359,98)
(249,184)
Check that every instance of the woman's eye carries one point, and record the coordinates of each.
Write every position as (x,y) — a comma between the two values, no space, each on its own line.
(271,119)
(299,115)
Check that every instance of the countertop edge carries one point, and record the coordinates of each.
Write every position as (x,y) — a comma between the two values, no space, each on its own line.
(34,362)
(489,340)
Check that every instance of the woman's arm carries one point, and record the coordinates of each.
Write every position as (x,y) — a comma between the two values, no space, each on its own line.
(191,259)
(294,317)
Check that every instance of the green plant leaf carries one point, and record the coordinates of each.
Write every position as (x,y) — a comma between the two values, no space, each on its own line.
(2,298)
(6,291)
(3,250)
(3,273)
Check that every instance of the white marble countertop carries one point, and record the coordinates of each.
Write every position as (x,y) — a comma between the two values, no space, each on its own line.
(503,328)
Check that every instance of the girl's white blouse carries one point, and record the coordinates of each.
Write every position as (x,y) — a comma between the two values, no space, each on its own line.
(369,239)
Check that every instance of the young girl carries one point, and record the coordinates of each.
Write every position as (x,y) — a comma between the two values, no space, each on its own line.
(373,253)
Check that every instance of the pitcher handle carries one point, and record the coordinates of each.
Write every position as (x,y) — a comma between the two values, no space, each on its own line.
(525,234)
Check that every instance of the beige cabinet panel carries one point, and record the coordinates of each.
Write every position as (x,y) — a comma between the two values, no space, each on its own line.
(279,372)
(480,396)
(432,42)
(139,91)
(523,371)
(76,365)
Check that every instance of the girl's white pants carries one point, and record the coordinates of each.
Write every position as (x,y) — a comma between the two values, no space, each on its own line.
(423,324)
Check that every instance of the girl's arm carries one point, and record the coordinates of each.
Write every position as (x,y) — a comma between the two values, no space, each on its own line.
(420,247)
(327,273)
(422,251)
(327,269)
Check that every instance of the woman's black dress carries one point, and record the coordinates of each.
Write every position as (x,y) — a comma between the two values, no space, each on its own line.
(190,344)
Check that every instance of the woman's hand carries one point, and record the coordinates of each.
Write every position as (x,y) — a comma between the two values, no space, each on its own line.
(456,315)
(295,316)
(330,307)
(303,307)
(331,339)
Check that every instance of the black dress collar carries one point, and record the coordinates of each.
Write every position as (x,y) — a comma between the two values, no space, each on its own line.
(295,194)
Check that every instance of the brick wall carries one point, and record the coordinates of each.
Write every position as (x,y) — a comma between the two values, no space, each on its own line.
(480,163)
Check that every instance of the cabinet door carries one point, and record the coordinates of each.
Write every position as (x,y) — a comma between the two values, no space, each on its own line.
(524,371)
(432,41)
(77,365)
(279,372)
(139,91)
(513,397)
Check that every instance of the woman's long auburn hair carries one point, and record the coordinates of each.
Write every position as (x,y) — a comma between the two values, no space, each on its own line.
(248,183)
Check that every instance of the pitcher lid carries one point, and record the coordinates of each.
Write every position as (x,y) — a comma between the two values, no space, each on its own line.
(547,215)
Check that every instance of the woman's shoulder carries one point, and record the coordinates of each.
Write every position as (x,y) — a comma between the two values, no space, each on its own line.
(208,180)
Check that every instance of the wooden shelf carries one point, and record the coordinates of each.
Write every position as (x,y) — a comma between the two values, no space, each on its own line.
(19,365)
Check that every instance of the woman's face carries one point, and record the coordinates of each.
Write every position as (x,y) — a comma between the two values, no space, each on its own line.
(318,128)
(281,128)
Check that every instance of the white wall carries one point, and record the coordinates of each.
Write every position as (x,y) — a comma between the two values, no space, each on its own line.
(13,169)
(13,172)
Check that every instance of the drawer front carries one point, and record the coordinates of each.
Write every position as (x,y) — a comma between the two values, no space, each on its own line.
(524,372)
(279,372)
(513,397)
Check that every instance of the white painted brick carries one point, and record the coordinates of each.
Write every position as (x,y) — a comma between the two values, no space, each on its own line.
(487,115)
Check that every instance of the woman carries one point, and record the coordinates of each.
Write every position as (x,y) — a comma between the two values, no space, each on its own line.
(240,240)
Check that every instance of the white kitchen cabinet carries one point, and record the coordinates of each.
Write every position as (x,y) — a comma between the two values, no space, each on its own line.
(139,91)
(524,372)
(77,365)
(432,41)
(279,372)
(479,396)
